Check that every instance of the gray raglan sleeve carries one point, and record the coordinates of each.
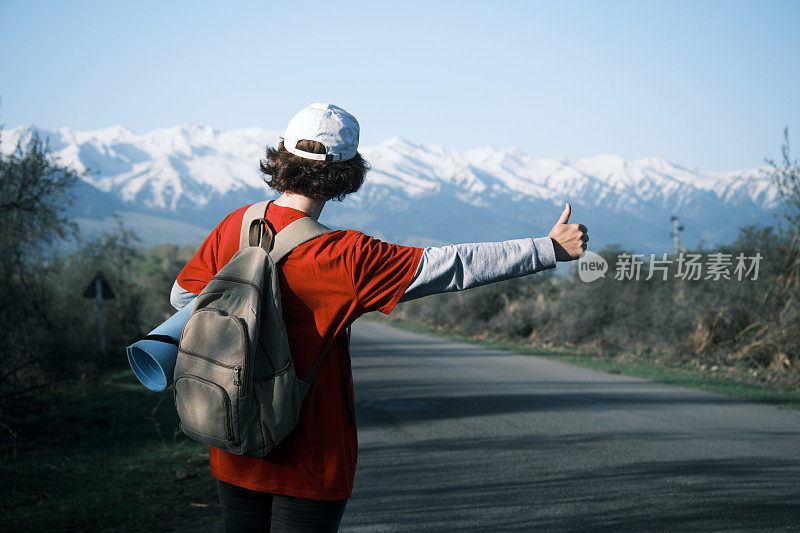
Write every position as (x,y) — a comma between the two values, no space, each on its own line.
(179,296)
(462,266)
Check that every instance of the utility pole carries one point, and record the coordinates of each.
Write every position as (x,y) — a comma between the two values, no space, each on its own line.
(676,230)
(676,249)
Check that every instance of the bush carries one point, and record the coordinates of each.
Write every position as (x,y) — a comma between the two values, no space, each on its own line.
(50,331)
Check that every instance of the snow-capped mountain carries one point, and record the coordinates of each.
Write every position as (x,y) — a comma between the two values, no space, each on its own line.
(175,184)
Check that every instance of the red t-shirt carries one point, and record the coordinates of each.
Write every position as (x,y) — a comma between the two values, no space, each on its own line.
(326,284)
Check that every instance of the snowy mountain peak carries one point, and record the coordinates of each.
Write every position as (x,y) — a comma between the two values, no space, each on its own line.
(203,169)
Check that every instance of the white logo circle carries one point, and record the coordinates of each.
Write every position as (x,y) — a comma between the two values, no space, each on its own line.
(591,266)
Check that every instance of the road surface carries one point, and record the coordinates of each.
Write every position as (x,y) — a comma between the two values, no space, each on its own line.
(454,437)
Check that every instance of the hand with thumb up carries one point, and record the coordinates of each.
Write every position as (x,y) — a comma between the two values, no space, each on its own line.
(569,240)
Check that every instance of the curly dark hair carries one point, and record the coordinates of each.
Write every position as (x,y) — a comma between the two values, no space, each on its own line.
(321,180)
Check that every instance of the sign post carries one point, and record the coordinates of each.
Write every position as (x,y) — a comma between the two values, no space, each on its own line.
(100,290)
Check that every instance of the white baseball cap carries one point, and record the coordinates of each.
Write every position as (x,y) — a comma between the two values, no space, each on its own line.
(333,127)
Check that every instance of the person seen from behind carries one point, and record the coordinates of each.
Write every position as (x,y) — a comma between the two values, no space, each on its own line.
(326,284)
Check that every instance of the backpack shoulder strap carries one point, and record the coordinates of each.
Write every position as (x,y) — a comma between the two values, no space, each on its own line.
(286,240)
(253,213)
(321,358)
(300,231)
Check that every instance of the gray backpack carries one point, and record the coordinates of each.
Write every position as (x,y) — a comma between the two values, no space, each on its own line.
(235,384)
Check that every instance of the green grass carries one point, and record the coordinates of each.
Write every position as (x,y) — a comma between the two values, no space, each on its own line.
(731,382)
(107,457)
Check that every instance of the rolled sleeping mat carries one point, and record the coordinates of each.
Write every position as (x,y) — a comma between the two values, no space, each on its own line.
(153,358)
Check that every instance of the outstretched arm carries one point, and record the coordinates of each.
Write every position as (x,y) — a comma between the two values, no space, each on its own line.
(462,266)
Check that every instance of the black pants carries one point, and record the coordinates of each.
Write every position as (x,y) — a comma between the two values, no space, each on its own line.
(245,510)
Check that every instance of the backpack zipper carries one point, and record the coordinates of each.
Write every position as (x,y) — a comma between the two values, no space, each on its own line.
(205,358)
(229,418)
(277,373)
(234,279)
(238,370)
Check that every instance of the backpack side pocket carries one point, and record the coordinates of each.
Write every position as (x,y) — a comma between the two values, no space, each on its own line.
(210,380)
(205,410)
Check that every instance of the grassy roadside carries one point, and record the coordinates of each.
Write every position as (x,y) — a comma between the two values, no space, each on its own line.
(107,457)
(735,382)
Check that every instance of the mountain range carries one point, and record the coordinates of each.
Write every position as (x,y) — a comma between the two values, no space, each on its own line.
(175,184)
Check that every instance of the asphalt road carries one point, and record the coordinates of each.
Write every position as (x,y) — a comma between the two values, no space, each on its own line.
(454,437)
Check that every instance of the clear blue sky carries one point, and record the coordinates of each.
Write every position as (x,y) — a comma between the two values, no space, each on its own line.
(703,83)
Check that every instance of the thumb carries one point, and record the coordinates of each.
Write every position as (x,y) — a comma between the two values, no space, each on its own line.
(565,214)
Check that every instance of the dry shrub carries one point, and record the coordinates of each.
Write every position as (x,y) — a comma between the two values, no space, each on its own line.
(757,353)
(714,327)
